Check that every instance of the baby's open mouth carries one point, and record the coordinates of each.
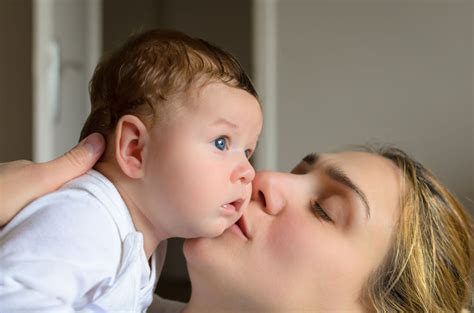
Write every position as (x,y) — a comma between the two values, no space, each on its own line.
(233,206)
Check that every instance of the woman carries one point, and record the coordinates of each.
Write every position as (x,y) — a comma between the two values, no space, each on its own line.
(348,232)
(352,231)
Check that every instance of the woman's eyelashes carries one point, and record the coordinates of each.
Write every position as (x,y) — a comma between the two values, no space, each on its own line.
(320,212)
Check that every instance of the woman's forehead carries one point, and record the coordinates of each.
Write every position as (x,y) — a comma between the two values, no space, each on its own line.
(314,160)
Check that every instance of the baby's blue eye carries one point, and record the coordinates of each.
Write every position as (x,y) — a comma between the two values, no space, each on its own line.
(220,143)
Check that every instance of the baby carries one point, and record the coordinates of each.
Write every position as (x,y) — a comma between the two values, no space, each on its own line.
(181,119)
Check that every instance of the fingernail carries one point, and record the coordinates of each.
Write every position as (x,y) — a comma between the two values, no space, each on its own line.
(93,143)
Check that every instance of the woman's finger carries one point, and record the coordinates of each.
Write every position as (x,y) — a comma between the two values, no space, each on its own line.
(23,181)
(75,162)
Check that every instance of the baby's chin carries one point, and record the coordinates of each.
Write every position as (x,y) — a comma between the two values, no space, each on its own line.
(211,230)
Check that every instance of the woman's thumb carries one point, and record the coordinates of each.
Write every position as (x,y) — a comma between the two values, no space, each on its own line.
(76,161)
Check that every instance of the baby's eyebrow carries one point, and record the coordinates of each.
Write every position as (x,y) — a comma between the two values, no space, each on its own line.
(224,121)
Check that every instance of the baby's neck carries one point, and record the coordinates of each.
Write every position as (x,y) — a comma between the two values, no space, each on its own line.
(128,191)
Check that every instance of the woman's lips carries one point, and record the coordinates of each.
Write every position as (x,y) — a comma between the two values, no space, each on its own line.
(236,229)
(240,227)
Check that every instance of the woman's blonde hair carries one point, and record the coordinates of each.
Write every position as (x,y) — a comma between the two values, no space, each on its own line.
(429,266)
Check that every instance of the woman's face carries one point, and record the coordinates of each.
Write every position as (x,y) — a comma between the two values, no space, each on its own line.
(308,240)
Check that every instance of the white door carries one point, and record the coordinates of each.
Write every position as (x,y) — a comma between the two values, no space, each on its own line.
(67,45)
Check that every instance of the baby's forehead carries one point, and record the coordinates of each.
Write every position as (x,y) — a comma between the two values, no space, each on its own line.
(215,103)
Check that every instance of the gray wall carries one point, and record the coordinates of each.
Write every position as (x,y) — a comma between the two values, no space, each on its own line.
(121,18)
(15,80)
(224,23)
(398,73)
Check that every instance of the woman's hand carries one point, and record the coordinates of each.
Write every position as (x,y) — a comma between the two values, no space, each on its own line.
(23,181)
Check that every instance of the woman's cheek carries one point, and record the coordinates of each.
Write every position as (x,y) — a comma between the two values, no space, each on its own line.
(289,243)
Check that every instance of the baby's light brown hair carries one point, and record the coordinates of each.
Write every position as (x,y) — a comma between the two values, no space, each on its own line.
(142,75)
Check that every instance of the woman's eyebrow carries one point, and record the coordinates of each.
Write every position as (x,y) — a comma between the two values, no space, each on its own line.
(339,176)
(311,158)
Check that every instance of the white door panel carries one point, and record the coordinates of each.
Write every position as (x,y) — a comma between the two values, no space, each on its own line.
(67,44)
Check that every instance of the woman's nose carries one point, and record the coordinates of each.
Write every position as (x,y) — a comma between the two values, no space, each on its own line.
(244,172)
(268,188)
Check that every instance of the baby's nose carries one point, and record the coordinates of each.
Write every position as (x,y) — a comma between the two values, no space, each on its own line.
(244,173)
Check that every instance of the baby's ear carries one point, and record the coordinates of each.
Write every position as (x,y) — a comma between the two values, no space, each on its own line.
(131,138)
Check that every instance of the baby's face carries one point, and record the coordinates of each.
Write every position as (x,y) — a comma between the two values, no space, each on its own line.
(198,176)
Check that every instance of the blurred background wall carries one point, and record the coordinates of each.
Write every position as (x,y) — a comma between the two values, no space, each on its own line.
(397,73)
(16,81)
(330,72)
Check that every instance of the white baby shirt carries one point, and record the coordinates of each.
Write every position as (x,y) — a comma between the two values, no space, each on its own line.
(76,250)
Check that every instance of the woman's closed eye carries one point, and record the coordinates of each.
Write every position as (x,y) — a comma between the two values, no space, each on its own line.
(320,212)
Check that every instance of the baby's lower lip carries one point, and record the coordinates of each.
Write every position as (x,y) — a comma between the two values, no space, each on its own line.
(233,207)
(229,209)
